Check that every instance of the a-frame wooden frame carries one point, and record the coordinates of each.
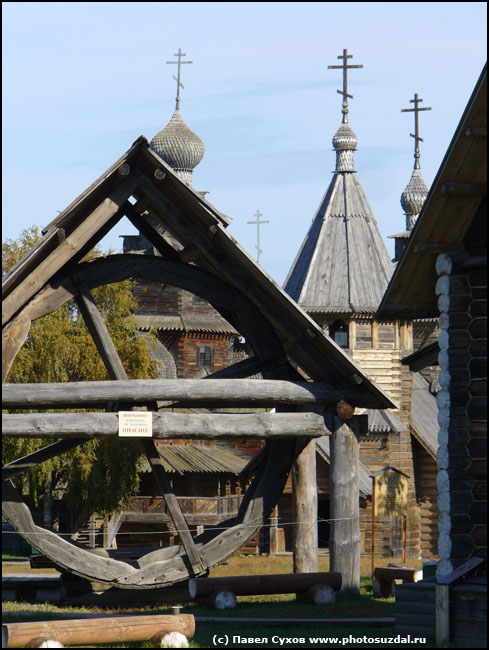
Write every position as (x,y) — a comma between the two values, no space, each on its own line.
(208,262)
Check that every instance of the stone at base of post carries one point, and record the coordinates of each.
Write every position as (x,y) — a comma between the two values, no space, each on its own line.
(321,595)
(224,600)
(169,640)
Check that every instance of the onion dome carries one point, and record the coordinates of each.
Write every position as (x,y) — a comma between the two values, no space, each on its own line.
(179,147)
(345,143)
(413,197)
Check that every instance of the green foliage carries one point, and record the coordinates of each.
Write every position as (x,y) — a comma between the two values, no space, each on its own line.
(99,474)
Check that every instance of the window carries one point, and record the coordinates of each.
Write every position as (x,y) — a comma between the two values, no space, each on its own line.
(199,299)
(338,331)
(204,356)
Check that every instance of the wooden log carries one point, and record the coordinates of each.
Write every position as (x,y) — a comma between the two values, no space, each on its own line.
(304,495)
(344,546)
(258,585)
(406,574)
(167,425)
(239,392)
(117,629)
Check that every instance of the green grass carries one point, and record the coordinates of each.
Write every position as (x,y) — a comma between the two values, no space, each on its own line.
(276,606)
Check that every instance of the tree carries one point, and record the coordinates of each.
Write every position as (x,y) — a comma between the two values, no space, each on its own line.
(99,475)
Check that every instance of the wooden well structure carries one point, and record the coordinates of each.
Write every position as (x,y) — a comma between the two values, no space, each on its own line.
(200,257)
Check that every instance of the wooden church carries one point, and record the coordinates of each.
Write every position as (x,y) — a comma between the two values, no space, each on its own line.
(339,277)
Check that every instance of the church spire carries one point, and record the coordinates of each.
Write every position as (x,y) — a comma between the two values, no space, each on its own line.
(344,141)
(415,193)
(179,147)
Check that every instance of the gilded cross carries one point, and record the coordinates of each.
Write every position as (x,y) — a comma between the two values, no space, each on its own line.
(258,214)
(179,54)
(415,135)
(345,67)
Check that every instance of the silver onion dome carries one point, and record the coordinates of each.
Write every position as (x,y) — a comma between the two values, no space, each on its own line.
(179,147)
(413,197)
(345,143)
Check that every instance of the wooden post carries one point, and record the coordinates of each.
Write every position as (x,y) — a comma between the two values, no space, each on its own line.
(404,537)
(375,334)
(373,524)
(304,496)
(442,595)
(344,545)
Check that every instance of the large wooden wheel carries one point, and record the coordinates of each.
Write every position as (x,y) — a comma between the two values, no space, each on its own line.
(194,556)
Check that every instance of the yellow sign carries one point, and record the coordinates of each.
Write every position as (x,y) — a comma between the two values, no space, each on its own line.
(391,490)
(136,424)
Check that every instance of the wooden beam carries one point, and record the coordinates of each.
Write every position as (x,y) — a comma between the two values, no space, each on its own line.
(198,566)
(92,224)
(99,332)
(13,337)
(208,426)
(210,391)
(33,257)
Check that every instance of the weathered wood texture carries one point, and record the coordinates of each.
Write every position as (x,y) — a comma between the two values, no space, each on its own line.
(344,546)
(305,509)
(212,392)
(87,631)
(167,425)
(45,269)
(285,583)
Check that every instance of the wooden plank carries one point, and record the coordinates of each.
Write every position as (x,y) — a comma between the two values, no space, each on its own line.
(198,565)
(211,391)
(208,426)
(23,292)
(462,571)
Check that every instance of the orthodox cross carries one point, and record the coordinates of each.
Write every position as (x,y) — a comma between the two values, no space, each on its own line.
(415,135)
(345,67)
(258,214)
(179,54)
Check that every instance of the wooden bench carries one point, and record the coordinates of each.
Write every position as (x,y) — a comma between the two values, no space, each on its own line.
(385,578)
(319,587)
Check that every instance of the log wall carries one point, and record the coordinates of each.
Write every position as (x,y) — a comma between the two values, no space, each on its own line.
(426,498)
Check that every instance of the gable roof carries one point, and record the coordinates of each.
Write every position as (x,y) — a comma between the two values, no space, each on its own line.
(201,229)
(458,191)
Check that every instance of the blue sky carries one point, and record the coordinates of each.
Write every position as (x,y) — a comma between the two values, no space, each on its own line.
(81,81)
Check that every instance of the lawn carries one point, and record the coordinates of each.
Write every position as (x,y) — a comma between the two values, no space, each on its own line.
(254,635)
